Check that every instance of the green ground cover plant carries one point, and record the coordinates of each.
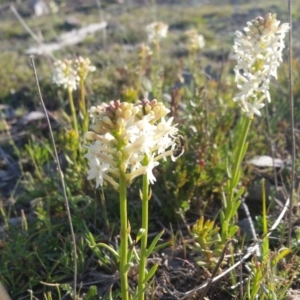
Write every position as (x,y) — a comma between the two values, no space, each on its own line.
(133,182)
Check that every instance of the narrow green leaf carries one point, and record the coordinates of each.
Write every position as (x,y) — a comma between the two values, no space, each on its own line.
(244,150)
(228,171)
(151,272)
(225,225)
(153,244)
(113,251)
(222,217)
(140,234)
(216,239)
(91,242)
(162,246)
(131,244)
(130,254)
(239,193)
(282,253)
(128,266)
(236,179)
(200,222)
(235,207)
(233,230)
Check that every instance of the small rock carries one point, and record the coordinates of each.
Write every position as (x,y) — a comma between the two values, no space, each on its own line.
(246,228)
(6,111)
(265,161)
(293,295)
(32,116)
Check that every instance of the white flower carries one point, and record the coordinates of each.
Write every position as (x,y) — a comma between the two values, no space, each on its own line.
(97,170)
(68,73)
(141,170)
(149,169)
(64,75)
(157,31)
(201,41)
(135,161)
(195,41)
(129,140)
(165,136)
(251,109)
(258,55)
(83,67)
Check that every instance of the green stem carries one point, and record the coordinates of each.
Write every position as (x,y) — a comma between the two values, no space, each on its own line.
(238,153)
(157,51)
(156,84)
(75,127)
(124,238)
(73,112)
(140,74)
(85,122)
(238,156)
(144,239)
(265,242)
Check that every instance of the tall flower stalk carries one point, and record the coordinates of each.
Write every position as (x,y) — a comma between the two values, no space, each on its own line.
(195,42)
(258,53)
(144,55)
(83,67)
(66,76)
(144,239)
(71,74)
(156,32)
(73,111)
(124,238)
(128,141)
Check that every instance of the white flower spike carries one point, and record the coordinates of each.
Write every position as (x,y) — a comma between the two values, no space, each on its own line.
(128,140)
(157,31)
(65,75)
(68,73)
(195,41)
(258,54)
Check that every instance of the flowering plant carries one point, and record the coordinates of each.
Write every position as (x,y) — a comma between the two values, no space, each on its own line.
(70,74)
(65,75)
(195,41)
(123,135)
(157,31)
(258,54)
(128,141)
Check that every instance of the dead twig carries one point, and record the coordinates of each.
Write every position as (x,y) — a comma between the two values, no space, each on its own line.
(27,28)
(214,273)
(60,174)
(291,103)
